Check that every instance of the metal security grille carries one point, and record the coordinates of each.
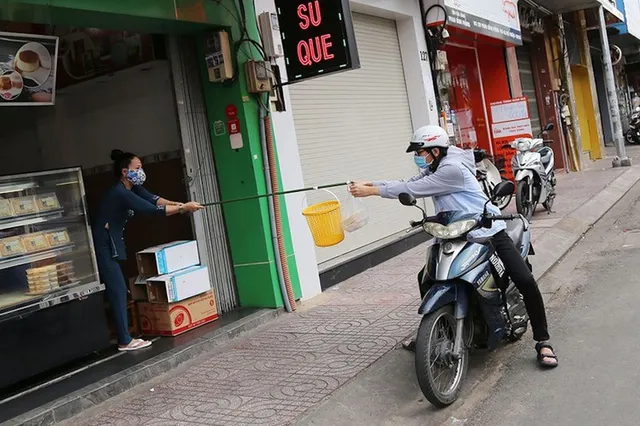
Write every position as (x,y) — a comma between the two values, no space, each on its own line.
(527,80)
(200,169)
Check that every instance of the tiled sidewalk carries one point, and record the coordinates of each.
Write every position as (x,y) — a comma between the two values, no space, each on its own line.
(290,365)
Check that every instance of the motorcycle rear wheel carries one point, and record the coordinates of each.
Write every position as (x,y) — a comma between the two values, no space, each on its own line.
(434,358)
(524,207)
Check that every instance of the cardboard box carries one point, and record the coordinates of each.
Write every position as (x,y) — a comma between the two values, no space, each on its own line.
(138,288)
(167,258)
(171,319)
(178,286)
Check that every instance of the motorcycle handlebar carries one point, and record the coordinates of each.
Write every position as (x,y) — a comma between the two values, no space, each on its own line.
(419,223)
(505,217)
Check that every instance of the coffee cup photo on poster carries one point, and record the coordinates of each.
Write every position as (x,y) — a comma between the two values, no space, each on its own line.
(28,65)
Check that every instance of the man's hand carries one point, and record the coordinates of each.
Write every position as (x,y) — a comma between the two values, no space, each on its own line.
(363,189)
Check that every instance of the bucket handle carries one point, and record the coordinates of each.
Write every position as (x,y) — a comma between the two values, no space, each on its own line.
(315,188)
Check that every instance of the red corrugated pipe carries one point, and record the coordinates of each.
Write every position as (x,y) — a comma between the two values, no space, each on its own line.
(273,172)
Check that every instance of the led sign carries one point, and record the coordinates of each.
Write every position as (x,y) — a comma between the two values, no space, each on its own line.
(317,37)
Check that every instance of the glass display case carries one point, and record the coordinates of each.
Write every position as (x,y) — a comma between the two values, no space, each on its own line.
(46,248)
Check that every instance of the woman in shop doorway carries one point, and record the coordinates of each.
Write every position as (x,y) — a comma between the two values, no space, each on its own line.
(126,198)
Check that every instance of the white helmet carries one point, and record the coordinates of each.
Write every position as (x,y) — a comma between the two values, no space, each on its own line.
(427,137)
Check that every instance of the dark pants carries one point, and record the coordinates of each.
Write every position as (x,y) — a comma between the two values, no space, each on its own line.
(523,279)
(525,282)
(113,279)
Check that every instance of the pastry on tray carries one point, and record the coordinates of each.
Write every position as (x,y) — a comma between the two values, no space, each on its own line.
(12,246)
(35,242)
(59,237)
(47,202)
(5,209)
(24,205)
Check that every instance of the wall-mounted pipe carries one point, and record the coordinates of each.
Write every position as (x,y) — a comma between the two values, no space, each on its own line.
(275,217)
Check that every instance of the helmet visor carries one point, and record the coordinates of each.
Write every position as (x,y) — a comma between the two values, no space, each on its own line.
(413,147)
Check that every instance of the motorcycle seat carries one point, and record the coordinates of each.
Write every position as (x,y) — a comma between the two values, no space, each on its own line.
(515,230)
(546,154)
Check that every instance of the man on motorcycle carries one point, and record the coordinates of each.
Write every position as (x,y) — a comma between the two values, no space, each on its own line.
(448,175)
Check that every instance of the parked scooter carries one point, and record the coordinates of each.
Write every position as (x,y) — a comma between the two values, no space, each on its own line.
(489,177)
(632,135)
(533,166)
(470,299)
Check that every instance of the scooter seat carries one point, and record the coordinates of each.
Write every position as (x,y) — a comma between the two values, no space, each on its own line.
(546,154)
(515,230)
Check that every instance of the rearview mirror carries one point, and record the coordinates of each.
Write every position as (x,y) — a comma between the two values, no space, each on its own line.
(549,127)
(504,189)
(407,199)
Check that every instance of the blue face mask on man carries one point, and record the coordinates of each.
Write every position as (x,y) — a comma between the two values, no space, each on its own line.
(421,162)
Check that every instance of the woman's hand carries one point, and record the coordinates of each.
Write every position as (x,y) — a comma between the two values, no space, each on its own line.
(363,189)
(192,206)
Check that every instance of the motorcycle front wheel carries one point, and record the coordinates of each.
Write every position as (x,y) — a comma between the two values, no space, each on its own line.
(631,138)
(440,374)
(503,202)
(524,206)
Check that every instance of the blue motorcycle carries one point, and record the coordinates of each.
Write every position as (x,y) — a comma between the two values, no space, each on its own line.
(470,301)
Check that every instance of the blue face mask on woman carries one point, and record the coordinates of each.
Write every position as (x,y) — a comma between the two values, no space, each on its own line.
(421,162)
(137,177)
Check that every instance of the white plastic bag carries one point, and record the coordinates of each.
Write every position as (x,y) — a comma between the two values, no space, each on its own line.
(354,214)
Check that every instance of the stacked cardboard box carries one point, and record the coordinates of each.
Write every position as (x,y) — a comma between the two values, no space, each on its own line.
(172,291)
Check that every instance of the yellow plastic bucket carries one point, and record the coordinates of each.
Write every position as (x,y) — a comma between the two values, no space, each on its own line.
(325,222)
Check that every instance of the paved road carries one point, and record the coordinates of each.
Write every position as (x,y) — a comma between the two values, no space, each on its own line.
(597,338)
(594,319)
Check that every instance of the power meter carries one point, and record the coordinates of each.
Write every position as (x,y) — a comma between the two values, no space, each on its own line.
(218,57)
(259,75)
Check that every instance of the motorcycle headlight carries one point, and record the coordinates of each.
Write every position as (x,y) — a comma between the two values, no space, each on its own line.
(523,146)
(451,231)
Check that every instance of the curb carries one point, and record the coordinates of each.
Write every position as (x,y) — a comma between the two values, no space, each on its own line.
(73,404)
(552,246)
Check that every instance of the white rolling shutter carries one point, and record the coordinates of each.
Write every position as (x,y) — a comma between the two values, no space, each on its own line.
(357,125)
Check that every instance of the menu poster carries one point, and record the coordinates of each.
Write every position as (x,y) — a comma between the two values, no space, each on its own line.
(27,69)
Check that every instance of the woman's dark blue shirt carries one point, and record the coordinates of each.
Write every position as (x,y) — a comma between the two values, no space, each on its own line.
(119,205)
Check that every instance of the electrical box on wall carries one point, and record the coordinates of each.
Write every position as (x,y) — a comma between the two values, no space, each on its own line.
(259,75)
(218,57)
(277,94)
(270,32)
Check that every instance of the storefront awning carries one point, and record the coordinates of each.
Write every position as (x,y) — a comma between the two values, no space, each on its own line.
(159,16)
(612,14)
